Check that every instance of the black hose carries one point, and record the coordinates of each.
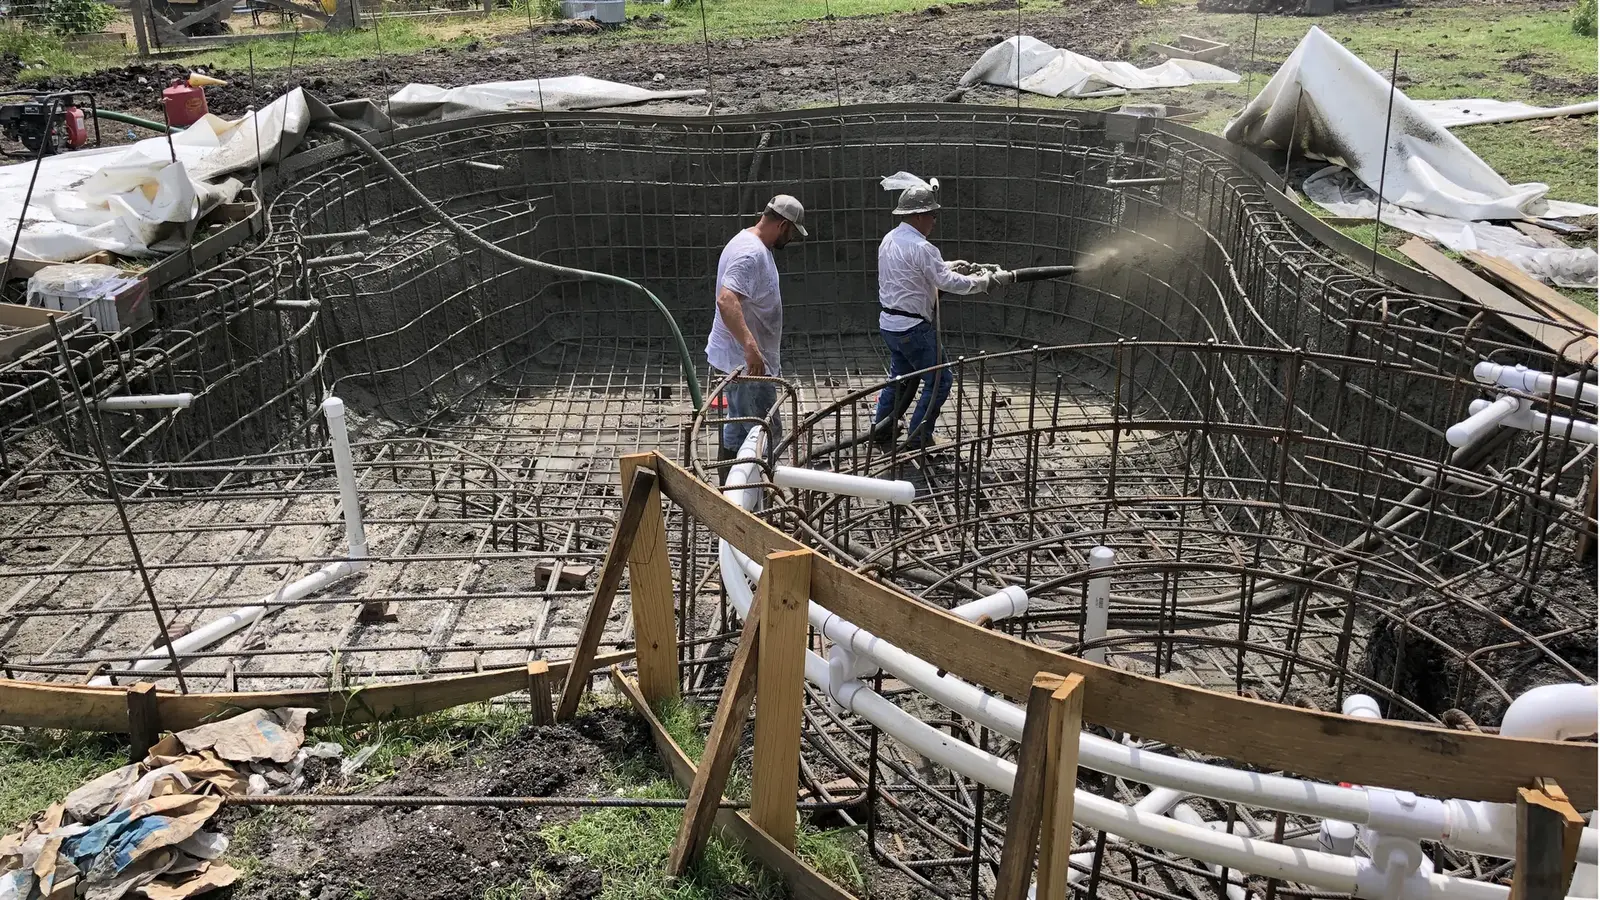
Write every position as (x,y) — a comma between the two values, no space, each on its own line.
(1042,273)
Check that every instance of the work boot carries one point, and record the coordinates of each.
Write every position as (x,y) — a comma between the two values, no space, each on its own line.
(883,432)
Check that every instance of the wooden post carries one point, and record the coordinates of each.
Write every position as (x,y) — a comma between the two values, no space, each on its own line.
(783,597)
(1060,780)
(1548,832)
(594,625)
(1027,793)
(540,706)
(650,587)
(144,720)
(722,745)
(140,36)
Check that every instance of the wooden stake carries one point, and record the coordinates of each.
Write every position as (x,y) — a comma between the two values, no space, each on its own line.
(540,706)
(783,597)
(1548,831)
(144,720)
(594,625)
(1060,780)
(1028,793)
(650,586)
(722,745)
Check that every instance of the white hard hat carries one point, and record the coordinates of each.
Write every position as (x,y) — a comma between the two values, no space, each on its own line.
(790,209)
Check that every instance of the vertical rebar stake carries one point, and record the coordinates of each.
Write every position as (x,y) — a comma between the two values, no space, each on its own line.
(1383,171)
(705,38)
(116,500)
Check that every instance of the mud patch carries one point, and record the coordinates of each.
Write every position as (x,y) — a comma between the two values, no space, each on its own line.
(344,853)
(1437,679)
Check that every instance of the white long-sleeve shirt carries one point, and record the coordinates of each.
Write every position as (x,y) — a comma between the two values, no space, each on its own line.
(911,272)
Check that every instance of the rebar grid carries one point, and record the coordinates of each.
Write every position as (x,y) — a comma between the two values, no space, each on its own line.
(1223,402)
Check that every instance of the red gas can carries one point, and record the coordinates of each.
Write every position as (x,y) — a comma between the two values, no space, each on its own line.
(185,104)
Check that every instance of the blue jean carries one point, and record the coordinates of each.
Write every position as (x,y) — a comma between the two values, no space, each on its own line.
(909,351)
(750,400)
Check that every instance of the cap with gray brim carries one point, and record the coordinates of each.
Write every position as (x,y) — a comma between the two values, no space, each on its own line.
(791,211)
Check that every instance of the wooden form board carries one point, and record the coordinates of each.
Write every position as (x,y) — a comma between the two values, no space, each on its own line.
(1536,292)
(784,596)
(1548,833)
(1060,781)
(804,882)
(655,623)
(80,707)
(1026,813)
(1321,745)
(1514,311)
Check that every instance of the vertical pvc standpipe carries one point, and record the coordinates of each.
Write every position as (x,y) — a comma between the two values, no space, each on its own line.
(1097,611)
(344,466)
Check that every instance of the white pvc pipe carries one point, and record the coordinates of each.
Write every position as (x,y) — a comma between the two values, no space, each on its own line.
(1529,419)
(1399,814)
(839,483)
(1576,109)
(344,465)
(1481,420)
(350,505)
(1097,611)
(1529,381)
(146,401)
(1003,604)
(1186,814)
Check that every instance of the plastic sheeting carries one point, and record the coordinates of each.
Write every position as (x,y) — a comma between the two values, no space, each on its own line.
(1337,190)
(1034,66)
(427,102)
(1333,106)
(139,200)
(1456,113)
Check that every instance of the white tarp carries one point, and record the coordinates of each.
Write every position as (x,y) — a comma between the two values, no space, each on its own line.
(136,200)
(1342,108)
(1039,68)
(1341,193)
(1456,113)
(427,102)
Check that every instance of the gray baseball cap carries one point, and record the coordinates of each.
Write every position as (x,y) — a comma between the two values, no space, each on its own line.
(790,208)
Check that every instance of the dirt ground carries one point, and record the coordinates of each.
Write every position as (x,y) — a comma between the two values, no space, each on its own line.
(871,57)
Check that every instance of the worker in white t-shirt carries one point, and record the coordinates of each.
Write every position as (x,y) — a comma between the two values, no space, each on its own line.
(748,328)
(911,273)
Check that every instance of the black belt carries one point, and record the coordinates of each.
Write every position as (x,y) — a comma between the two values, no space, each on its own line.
(901,312)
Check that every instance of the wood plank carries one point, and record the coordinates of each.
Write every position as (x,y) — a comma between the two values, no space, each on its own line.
(804,882)
(140,36)
(1310,743)
(144,721)
(1060,781)
(784,595)
(655,622)
(1026,812)
(594,624)
(1544,237)
(722,745)
(1530,289)
(1548,832)
(33,704)
(1515,312)
(541,705)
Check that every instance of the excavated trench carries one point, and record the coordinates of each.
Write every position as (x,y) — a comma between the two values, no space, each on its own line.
(1231,407)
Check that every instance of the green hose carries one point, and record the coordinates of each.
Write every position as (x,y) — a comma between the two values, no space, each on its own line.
(126,119)
(685,360)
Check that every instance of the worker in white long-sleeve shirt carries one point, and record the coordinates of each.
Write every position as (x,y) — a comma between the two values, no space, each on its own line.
(911,273)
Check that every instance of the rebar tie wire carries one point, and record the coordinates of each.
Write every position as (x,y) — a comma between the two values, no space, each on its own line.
(685,360)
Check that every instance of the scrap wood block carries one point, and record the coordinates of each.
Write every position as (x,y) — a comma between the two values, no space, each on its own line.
(571,576)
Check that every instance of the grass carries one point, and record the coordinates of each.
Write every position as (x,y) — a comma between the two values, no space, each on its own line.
(426,740)
(251,840)
(38,768)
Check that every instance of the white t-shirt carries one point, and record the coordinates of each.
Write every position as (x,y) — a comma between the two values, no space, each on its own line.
(748,269)
(911,272)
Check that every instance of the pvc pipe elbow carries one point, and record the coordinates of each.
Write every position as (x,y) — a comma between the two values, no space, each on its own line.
(1553,712)
(333,408)
(1481,421)
(1361,706)
(1003,604)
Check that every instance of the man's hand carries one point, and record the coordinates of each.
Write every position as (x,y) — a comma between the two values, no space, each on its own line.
(962,267)
(754,362)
